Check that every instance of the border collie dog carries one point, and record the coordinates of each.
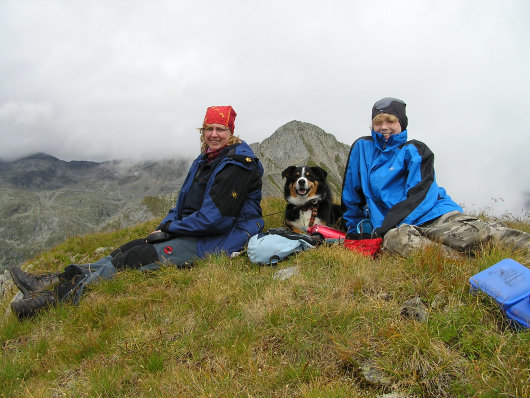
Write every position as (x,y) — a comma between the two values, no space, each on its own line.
(309,199)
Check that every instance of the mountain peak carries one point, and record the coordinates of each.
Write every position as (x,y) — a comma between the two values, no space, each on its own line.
(39,156)
(295,126)
(300,143)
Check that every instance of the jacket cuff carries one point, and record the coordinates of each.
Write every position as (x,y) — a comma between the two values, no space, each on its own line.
(164,227)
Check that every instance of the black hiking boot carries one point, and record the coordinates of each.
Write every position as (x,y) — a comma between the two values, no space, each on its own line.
(30,306)
(28,283)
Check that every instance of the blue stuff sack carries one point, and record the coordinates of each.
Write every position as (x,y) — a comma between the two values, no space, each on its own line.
(508,283)
(276,244)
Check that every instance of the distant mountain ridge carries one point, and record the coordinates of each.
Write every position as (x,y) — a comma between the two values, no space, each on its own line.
(45,199)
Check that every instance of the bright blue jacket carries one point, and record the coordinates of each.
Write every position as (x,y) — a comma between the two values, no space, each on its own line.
(230,212)
(394,182)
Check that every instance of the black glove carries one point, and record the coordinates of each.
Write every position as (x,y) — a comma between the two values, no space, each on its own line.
(164,227)
(365,235)
(158,236)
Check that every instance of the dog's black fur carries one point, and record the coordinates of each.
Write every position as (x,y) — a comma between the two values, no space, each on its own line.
(306,189)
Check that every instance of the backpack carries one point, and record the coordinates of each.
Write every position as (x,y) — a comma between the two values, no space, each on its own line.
(276,244)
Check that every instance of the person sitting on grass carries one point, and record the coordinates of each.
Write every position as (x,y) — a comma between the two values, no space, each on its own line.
(218,210)
(391,180)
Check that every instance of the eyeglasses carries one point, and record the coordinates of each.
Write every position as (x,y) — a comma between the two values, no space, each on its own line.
(210,129)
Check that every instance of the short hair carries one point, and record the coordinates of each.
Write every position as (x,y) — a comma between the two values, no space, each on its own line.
(384,117)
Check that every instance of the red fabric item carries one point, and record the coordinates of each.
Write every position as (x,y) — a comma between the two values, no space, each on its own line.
(225,115)
(366,247)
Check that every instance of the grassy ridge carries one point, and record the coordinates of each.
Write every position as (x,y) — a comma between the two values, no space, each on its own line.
(227,328)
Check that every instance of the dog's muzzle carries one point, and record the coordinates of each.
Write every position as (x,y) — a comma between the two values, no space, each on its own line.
(301,186)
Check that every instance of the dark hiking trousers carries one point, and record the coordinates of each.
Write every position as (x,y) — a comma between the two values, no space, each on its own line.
(136,254)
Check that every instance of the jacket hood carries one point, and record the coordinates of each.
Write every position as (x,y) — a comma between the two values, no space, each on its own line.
(244,150)
(393,141)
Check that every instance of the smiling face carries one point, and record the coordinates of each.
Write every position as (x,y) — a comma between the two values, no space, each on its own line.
(216,136)
(303,184)
(386,124)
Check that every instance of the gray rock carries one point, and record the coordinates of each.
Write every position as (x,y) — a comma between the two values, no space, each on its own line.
(286,273)
(374,375)
(415,309)
(101,250)
(18,296)
(6,283)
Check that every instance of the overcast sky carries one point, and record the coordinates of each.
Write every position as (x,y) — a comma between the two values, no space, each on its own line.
(101,80)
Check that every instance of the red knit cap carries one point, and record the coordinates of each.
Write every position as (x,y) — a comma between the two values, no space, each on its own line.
(225,115)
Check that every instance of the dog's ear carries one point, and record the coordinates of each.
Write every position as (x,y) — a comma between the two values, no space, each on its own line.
(319,171)
(288,171)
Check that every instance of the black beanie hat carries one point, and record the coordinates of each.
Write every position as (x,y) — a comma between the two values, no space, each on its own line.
(393,106)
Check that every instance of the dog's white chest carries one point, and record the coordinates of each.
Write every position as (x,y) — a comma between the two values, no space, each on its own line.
(304,219)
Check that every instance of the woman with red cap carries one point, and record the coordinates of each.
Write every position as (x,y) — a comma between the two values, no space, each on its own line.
(218,210)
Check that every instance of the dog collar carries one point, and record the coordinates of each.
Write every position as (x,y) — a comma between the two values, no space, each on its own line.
(312,204)
(313,216)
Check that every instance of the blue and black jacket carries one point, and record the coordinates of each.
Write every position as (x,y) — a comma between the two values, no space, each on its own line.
(394,182)
(219,202)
